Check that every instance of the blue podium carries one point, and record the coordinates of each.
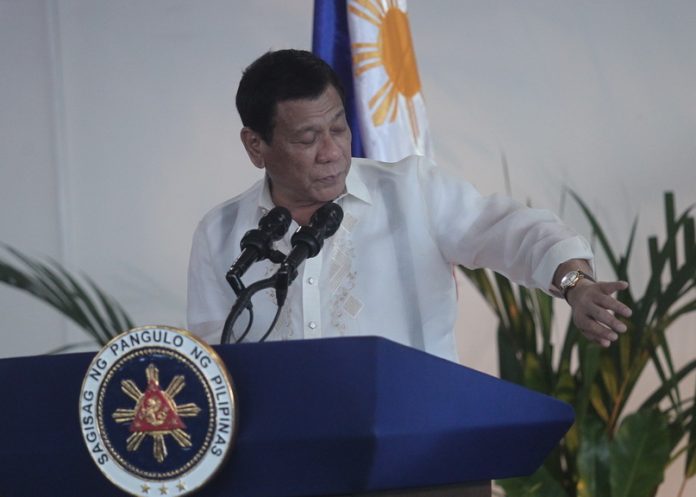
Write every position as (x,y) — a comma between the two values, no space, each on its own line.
(343,416)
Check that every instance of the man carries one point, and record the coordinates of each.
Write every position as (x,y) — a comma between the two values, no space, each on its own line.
(388,270)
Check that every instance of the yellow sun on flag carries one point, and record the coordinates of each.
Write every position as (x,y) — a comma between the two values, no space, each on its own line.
(393,51)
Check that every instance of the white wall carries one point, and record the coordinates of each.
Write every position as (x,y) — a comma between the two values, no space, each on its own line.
(30,178)
(118,130)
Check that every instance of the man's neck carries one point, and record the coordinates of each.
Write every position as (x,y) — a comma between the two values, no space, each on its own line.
(301,215)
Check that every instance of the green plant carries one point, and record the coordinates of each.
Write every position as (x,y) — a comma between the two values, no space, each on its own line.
(607,452)
(86,305)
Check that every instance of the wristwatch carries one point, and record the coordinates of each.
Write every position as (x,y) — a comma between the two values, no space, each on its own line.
(571,279)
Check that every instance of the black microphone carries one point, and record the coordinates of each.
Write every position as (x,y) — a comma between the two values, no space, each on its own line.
(256,243)
(307,241)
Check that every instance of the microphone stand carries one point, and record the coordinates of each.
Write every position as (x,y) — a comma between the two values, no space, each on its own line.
(244,295)
(243,300)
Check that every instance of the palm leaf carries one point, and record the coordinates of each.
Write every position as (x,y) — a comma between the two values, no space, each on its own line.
(639,454)
(656,397)
(89,307)
(598,231)
(539,484)
(622,269)
(593,460)
(690,466)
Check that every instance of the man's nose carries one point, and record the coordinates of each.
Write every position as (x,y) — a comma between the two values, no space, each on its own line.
(329,149)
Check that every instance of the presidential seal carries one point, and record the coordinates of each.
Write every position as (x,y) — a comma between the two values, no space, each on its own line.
(157,411)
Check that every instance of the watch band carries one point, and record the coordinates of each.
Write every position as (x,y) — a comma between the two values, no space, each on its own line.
(571,279)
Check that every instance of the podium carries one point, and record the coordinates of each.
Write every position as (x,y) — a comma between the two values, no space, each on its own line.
(328,417)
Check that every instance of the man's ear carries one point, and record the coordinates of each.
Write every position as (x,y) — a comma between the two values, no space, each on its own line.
(253,144)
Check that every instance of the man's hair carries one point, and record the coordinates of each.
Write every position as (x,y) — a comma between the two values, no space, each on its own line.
(279,76)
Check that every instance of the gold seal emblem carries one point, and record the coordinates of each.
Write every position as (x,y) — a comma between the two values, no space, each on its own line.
(157,411)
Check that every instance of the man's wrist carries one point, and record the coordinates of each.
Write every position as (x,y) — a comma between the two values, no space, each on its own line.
(572,279)
(571,294)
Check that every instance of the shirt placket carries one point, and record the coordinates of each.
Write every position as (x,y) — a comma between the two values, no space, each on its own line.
(311,297)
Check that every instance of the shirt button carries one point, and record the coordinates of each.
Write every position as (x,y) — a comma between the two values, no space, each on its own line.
(311,280)
(312,325)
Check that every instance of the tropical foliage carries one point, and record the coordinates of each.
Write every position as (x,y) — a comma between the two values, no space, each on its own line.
(608,452)
(85,304)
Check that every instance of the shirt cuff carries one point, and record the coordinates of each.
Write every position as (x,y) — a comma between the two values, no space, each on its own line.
(571,248)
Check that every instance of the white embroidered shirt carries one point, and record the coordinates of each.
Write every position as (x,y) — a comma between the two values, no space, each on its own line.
(388,270)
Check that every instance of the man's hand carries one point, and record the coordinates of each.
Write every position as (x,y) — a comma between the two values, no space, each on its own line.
(594,308)
(593,305)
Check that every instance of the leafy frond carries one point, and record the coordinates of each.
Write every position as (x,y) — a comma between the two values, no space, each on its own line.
(85,304)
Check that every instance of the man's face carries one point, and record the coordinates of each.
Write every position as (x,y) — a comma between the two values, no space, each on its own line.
(309,156)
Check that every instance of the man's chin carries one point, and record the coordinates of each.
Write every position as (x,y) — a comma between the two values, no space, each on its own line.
(331,190)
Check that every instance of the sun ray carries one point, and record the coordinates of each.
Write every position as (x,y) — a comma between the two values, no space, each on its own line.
(152,374)
(374,7)
(367,67)
(131,389)
(175,386)
(387,102)
(375,98)
(365,45)
(123,415)
(182,438)
(159,448)
(364,56)
(363,15)
(188,410)
(134,441)
(394,96)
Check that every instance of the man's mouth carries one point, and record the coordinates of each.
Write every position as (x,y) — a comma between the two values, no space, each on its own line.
(330,179)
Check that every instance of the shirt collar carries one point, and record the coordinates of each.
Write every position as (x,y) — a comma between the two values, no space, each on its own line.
(265,200)
(355,187)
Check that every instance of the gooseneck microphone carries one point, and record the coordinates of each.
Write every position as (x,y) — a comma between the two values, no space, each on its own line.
(256,244)
(307,241)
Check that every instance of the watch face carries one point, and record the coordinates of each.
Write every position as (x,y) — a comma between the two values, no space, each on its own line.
(570,279)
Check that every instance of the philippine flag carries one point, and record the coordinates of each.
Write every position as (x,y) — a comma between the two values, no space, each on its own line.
(368,43)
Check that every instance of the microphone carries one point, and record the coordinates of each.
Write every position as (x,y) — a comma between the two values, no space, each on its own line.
(256,243)
(307,241)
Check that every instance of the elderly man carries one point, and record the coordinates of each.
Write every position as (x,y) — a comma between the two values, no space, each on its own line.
(388,270)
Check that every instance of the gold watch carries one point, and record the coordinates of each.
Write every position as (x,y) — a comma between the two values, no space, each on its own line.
(571,279)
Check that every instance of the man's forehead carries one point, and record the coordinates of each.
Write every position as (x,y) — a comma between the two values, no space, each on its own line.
(299,123)
(307,113)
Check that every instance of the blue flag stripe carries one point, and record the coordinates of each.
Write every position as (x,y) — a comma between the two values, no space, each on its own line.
(331,42)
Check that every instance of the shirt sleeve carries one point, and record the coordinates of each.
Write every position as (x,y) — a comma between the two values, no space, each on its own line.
(206,300)
(526,245)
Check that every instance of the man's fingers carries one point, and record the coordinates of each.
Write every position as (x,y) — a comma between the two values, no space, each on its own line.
(611,304)
(613,286)
(610,287)
(601,315)
(595,311)
(595,331)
